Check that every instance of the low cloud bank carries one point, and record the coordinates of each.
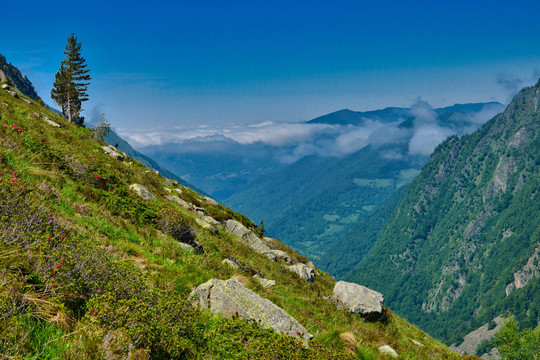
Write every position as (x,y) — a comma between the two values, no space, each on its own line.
(289,142)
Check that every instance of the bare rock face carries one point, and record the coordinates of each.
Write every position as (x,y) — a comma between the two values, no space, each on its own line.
(112,151)
(142,192)
(249,238)
(304,271)
(359,299)
(231,298)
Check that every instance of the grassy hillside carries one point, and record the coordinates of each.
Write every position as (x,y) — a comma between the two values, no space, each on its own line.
(90,270)
(462,245)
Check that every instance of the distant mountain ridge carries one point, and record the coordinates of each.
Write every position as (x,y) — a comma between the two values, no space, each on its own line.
(350,117)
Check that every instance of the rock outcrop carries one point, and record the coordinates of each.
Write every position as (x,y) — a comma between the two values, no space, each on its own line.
(112,151)
(304,271)
(142,192)
(231,298)
(359,299)
(249,238)
(179,201)
(281,255)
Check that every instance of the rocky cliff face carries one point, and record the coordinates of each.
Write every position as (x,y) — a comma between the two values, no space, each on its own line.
(466,232)
(9,73)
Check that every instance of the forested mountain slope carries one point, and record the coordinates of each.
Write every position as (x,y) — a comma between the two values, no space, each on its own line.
(317,203)
(463,244)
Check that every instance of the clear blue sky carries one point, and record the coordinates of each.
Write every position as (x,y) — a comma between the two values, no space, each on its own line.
(169,63)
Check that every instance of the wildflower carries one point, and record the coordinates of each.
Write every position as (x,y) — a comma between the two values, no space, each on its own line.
(52,217)
(20,188)
(236,312)
(62,258)
(297,332)
(148,341)
(94,313)
(14,179)
(13,172)
(58,265)
(5,125)
(54,271)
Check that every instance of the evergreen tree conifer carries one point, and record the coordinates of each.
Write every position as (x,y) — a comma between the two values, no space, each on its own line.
(71,82)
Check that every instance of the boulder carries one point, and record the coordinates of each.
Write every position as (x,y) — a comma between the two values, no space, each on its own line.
(112,151)
(210,200)
(264,282)
(198,210)
(231,298)
(359,299)
(26,101)
(52,123)
(12,93)
(179,201)
(211,220)
(281,255)
(388,351)
(249,238)
(230,263)
(5,86)
(304,271)
(142,192)
(203,223)
(186,246)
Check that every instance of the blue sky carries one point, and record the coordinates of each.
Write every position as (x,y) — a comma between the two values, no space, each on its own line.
(188,63)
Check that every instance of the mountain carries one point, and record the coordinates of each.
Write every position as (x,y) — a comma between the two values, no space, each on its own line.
(101,258)
(316,203)
(12,75)
(463,244)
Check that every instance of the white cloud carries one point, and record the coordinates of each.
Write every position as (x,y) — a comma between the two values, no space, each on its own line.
(290,141)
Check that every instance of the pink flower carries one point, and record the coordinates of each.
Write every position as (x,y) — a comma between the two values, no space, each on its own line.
(20,188)
(54,271)
(5,125)
(52,217)
(94,313)
(14,179)
(13,172)
(62,258)
(58,265)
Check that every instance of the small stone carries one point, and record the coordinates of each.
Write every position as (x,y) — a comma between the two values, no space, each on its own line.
(230,263)
(264,282)
(302,270)
(387,350)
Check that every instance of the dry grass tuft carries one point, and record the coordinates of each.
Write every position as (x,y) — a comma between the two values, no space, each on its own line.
(241,279)
(349,342)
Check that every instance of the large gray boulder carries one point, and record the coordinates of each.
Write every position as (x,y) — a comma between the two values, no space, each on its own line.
(249,238)
(231,298)
(304,271)
(179,201)
(142,192)
(113,152)
(359,299)
(281,255)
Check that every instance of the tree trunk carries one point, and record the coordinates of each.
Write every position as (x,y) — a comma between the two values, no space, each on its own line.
(69,108)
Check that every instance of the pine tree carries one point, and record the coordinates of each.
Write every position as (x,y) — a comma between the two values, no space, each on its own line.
(71,82)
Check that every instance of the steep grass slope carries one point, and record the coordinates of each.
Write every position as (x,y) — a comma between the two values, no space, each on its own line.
(90,270)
